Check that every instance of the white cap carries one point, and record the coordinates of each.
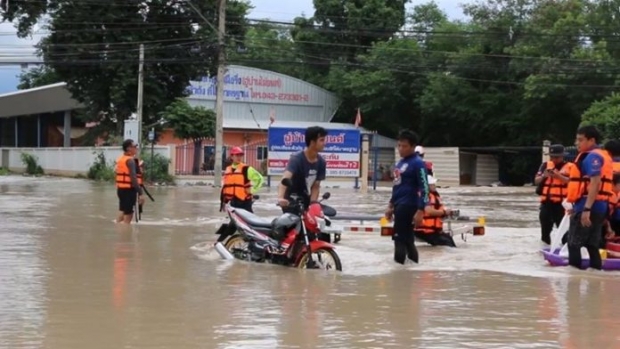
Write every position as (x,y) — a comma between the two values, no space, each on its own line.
(432,180)
(418,149)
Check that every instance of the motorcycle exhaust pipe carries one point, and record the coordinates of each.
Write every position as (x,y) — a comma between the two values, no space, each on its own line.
(223,252)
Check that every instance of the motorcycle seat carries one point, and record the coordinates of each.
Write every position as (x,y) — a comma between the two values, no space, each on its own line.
(252,219)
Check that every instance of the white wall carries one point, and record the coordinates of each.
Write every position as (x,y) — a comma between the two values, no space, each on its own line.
(68,161)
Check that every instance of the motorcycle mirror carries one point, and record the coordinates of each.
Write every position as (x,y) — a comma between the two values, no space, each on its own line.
(286,182)
(326,196)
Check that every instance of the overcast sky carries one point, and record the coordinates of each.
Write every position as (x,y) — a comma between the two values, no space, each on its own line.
(277,10)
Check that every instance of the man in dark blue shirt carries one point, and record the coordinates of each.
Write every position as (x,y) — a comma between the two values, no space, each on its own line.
(409,197)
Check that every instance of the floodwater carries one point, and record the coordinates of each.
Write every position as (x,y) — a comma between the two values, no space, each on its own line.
(71,279)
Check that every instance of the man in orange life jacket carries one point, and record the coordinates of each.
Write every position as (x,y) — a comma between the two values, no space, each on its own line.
(240,182)
(612,228)
(431,229)
(589,190)
(551,181)
(127,186)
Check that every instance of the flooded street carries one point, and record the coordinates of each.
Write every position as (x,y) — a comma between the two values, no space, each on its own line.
(72,279)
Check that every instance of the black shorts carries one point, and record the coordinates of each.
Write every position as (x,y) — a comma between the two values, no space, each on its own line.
(126,200)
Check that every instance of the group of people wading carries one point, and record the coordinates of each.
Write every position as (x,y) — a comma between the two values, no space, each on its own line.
(587,189)
(415,205)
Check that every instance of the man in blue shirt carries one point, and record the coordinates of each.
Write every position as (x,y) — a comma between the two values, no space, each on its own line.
(590,210)
(409,197)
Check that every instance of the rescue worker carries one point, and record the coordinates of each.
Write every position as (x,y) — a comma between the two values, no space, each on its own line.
(589,189)
(240,182)
(612,226)
(429,165)
(613,221)
(613,148)
(431,229)
(409,197)
(552,181)
(127,183)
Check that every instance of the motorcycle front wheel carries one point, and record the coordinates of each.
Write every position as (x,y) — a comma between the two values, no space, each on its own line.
(235,241)
(321,257)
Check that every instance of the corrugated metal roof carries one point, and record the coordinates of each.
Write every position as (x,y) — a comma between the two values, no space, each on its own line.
(263,92)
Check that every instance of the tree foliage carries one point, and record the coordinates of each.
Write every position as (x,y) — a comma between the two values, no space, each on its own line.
(94,47)
(189,122)
(37,77)
(515,72)
(605,115)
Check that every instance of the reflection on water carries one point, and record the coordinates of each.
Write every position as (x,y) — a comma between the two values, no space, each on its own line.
(71,279)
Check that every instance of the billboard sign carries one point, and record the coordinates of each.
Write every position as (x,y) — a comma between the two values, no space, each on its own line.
(341,153)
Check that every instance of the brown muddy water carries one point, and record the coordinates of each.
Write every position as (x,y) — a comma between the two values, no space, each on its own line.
(72,279)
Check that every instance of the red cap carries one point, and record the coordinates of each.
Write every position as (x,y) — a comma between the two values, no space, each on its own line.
(236,151)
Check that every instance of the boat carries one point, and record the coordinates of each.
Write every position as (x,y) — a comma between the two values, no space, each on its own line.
(557,259)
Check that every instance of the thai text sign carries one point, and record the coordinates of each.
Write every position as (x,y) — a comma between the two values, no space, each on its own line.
(341,152)
(250,87)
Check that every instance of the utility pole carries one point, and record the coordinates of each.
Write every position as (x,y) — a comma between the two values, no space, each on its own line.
(219,99)
(140,93)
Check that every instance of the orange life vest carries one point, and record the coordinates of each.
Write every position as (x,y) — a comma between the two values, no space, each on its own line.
(236,183)
(139,174)
(614,204)
(123,177)
(578,183)
(616,167)
(554,190)
(432,224)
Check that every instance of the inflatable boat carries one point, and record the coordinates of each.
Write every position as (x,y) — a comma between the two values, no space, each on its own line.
(556,259)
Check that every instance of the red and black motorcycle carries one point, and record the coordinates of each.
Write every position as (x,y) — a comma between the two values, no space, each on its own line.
(290,239)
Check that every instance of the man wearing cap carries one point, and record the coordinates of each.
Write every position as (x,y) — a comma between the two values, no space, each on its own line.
(429,165)
(551,184)
(431,228)
(240,182)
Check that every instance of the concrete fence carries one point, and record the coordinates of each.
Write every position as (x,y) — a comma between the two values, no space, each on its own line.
(70,161)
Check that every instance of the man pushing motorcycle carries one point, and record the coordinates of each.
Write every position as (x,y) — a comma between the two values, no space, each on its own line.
(306,169)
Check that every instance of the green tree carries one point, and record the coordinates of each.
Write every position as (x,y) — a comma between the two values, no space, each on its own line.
(268,46)
(37,77)
(340,30)
(605,115)
(195,123)
(93,46)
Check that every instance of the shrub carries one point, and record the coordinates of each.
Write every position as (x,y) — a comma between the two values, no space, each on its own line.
(156,169)
(32,164)
(3,171)
(101,170)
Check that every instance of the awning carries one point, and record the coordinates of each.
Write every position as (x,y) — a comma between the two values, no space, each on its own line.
(38,100)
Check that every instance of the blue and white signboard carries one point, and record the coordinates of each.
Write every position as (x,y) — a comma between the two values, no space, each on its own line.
(341,152)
